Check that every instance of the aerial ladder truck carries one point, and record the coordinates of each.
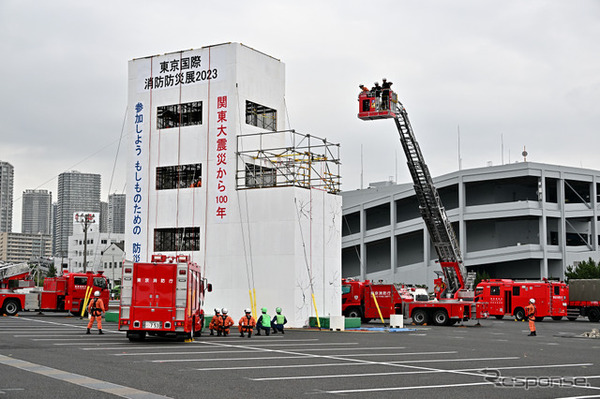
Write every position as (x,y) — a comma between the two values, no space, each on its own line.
(455,299)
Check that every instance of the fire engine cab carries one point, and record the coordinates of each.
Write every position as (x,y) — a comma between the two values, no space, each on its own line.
(162,298)
(512,297)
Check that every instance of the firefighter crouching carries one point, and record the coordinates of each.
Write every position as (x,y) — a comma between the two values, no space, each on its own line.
(224,322)
(530,311)
(278,322)
(246,323)
(214,321)
(95,310)
(263,322)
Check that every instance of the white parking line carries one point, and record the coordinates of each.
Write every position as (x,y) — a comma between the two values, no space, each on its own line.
(81,380)
(309,377)
(471,384)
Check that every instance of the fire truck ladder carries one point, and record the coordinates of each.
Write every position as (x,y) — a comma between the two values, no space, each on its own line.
(12,270)
(430,206)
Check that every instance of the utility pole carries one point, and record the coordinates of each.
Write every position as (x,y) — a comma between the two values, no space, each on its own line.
(85,219)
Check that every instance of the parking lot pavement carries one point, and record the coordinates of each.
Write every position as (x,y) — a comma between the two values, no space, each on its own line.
(496,359)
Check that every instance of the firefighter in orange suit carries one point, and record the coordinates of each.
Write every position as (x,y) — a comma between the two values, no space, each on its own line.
(224,323)
(530,311)
(214,321)
(95,310)
(246,323)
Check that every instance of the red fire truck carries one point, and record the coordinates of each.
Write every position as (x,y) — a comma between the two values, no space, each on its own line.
(510,297)
(162,298)
(455,298)
(63,293)
(358,301)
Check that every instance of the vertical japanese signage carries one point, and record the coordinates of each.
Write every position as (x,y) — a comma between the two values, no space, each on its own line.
(220,209)
(138,185)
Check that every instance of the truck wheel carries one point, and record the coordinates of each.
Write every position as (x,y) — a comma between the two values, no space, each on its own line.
(594,315)
(539,319)
(499,316)
(519,314)
(354,312)
(11,307)
(419,317)
(571,318)
(440,317)
(137,336)
(556,318)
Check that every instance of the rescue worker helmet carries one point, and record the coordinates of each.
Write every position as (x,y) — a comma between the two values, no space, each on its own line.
(97,293)
(532,300)
(217,311)
(224,310)
(264,310)
(247,310)
(278,310)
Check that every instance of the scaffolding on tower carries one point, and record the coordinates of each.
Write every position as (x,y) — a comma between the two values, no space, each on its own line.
(305,161)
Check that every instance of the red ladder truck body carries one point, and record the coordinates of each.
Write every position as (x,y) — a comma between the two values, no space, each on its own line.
(456,300)
(62,293)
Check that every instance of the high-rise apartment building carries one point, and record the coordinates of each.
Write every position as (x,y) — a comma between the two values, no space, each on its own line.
(77,192)
(36,212)
(7,175)
(103,217)
(116,213)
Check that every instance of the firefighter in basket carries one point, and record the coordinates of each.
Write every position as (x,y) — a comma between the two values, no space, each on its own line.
(263,322)
(214,321)
(225,321)
(246,323)
(95,310)
(278,322)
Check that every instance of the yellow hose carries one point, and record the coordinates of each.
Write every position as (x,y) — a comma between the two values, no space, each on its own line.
(316,311)
(88,292)
(377,305)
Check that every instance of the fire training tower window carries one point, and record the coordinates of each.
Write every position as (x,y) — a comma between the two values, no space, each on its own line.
(179,176)
(176,115)
(259,176)
(181,239)
(261,116)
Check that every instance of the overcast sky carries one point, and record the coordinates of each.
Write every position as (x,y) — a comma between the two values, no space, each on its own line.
(510,73)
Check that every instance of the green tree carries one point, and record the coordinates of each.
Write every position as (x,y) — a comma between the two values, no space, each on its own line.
(583,270)
(483,275)
(51,271)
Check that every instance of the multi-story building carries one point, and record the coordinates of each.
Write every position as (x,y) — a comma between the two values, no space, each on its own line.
(7,176)
(103,217)
(522,220)
(112,263)
(21,247)
(77,192)
(36,212)
(213,174)
(116,213)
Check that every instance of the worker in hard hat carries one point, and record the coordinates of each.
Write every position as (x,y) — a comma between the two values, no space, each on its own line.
(95,310)
(246,323)
(225,321)
(214,321)
(263,322)
(530,312)
(278,321)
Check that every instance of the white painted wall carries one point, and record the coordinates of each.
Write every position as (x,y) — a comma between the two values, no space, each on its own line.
(279,236)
